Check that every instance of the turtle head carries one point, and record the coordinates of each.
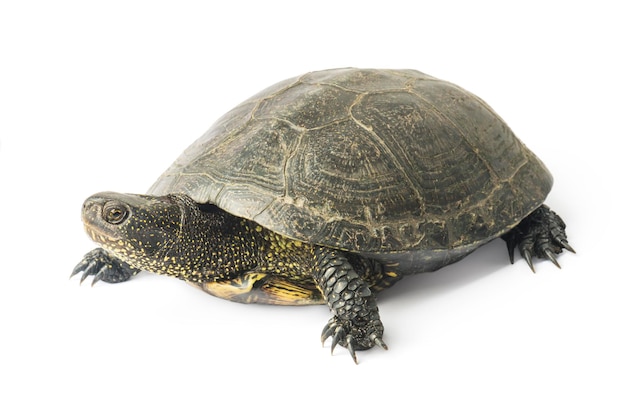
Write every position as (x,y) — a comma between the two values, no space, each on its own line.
(139,229)
(172,234)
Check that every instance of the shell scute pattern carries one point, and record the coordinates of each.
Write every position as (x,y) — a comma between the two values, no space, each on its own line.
(372,161)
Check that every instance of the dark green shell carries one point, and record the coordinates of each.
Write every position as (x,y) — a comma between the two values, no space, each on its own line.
(394,164)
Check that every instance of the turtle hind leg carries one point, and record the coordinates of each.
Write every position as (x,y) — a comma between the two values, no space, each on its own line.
(541,234)
(103,266)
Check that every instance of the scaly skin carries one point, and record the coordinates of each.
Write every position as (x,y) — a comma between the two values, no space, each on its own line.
(356,324)
(239,260)
(233,258)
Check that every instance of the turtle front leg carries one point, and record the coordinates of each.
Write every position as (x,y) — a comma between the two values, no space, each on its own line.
(355,323)
(103,266)
(541,234)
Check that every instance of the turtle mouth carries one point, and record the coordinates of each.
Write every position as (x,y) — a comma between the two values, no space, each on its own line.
(99,235)
(118,221)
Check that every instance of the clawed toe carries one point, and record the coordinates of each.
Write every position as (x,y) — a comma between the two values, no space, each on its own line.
(338,335)
(550,255)
(529,259)
(541,234)
(350,348)
(379,342)
(344,336)
(103,267)
(564,244)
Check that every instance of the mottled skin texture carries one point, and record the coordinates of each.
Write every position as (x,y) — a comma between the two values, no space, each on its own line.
(328,188)
(235,259)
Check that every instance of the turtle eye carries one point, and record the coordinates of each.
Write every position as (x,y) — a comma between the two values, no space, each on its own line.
(114,212)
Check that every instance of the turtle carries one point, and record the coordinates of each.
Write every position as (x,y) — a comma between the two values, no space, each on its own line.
(328,188)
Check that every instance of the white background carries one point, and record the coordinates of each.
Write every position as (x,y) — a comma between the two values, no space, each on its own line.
(104,95)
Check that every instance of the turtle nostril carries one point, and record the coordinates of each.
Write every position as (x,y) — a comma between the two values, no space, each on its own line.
(87,206)
(92,210)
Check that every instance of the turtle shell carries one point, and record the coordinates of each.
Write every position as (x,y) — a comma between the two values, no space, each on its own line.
(394,164)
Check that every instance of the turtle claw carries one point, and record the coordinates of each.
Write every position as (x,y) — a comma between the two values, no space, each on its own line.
(528,257)
(326,332)
(95,280)
(347,334)
(540,234)
(549,254)
(350,348)
(84,276)
(510,245)
(87,267)
(338,335)
(379,342)
(565,244)
(103,267)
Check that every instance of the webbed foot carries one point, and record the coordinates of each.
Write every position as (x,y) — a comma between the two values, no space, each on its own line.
(103,266)
(541,234)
